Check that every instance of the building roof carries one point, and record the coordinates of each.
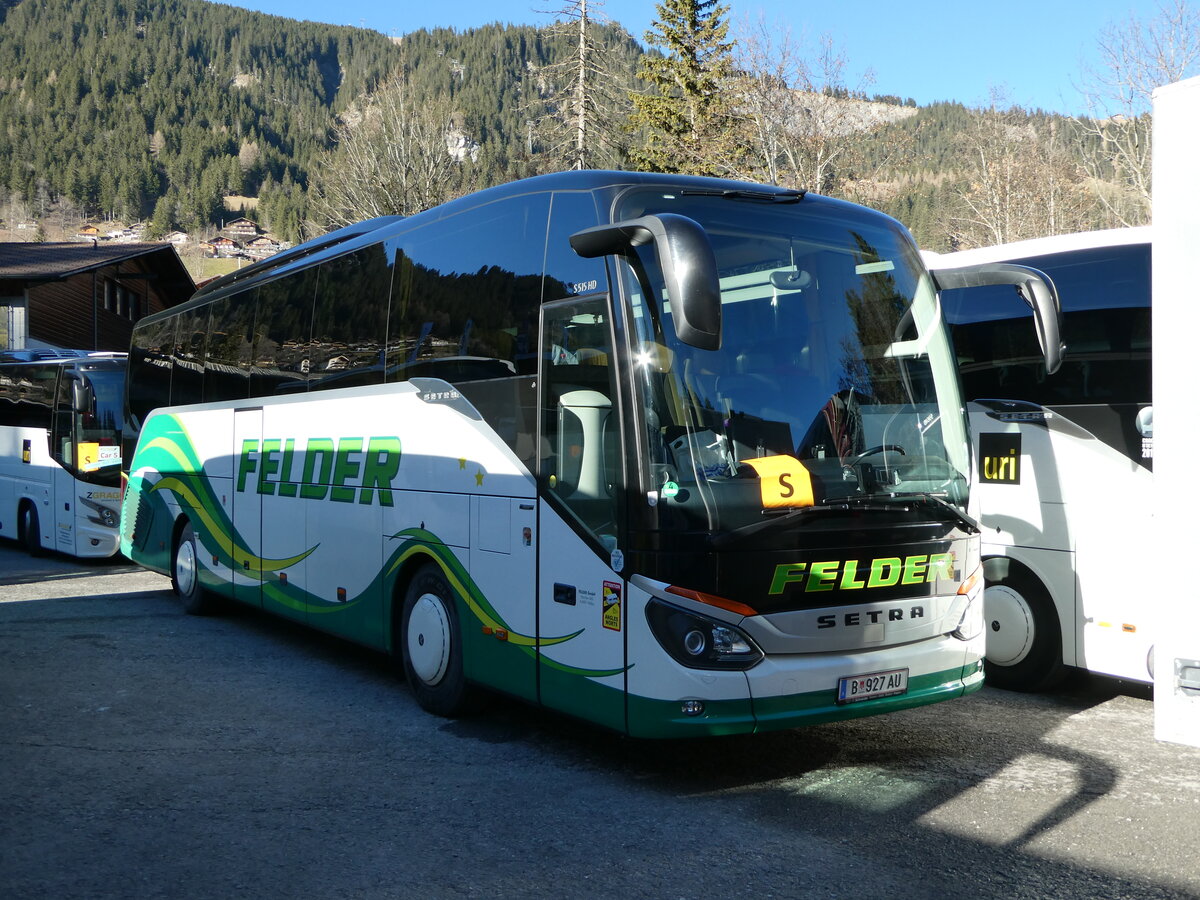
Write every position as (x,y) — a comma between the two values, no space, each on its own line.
(41,262)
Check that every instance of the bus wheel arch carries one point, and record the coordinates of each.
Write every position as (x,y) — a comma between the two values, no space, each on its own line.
(427,640)
(29,527)
(1024,634)
(185,571)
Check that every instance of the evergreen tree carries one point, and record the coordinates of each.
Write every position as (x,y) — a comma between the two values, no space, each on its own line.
(686,118)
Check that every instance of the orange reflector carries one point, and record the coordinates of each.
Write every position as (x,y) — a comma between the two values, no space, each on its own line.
(341,595)
(487,629)
(1129,628)
(712,600)
(969,585)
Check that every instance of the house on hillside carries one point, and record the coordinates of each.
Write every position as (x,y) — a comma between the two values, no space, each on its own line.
(241,229)
(262,247)
(84,296)
(223,246)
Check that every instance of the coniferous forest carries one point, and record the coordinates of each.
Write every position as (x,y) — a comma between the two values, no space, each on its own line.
(160,110)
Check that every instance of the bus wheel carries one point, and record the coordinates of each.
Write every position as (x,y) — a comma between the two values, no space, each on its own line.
(30,530)
(1024,642)
(431,644)
(185,575)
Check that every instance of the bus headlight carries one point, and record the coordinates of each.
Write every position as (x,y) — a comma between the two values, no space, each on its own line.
(970,626)
(698,642)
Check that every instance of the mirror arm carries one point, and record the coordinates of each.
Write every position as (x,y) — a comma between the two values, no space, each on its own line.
(689,268)
(1034,286)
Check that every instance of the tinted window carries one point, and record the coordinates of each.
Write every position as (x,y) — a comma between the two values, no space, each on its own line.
(187,374)
(149,381)
(350,320)
(465,301)
(467,291)
(567,273)
(1105,294)
(27,395)
(230,357)
(281,335)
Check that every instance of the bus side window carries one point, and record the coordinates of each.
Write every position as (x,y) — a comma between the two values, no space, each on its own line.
(63,438)
(346,349)
(149,377)
(228,359)
(465,298)
(281,335)
(567,273)
(187,375)
(580,462)
(30,394)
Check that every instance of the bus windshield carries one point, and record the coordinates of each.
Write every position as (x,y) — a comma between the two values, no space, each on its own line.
(834,384)
(99,423)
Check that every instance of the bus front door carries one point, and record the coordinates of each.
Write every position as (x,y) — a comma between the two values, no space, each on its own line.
(581,596)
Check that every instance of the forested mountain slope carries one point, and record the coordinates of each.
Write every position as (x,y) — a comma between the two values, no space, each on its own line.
(157,110)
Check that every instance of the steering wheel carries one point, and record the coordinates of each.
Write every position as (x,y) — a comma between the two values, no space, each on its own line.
(871,451)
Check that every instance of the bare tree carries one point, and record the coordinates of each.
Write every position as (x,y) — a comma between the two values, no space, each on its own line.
(584,96)
(393,157)
(1019,183)
(806,122)
(1137,56)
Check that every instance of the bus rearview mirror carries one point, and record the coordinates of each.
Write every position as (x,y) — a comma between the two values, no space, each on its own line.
(82,399)
(1033,285)
(688,263)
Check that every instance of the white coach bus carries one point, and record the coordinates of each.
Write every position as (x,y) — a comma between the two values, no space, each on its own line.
(678,456)
(1064,460)
(60,453)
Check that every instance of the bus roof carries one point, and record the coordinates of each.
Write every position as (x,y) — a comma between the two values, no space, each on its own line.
(370,231)
(84,361)
(1061,243)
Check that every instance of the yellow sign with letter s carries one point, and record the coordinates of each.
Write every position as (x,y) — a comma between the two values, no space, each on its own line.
(782,481)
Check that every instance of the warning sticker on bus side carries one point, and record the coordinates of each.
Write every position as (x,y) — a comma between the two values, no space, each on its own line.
(611,606)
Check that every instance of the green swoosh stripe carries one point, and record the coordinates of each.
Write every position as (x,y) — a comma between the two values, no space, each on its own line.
(424,542)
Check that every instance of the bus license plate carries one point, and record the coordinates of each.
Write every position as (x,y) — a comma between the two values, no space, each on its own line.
(867,687)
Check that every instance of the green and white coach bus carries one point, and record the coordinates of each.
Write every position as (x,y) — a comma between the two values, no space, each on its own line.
(678,456)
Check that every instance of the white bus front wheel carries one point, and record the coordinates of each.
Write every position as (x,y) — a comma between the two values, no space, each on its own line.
(1024,641)
(185,575)
(430,642)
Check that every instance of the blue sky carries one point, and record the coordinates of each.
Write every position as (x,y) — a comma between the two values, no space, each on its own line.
(1034,51)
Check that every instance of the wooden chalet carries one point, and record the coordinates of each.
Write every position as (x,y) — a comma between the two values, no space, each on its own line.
(82,295)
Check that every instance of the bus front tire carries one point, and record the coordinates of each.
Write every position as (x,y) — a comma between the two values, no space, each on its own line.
(30,530)
(1024,640)
(431,646)
(185,575)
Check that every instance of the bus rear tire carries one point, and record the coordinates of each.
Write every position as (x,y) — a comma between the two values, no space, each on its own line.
(431,646)
(1024,640)
(30,529)
(185,575)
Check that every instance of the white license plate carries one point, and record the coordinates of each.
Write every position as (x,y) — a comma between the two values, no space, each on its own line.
(867,687)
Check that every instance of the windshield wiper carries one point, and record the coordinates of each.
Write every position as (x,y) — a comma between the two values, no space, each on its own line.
(783,195)
(968,522)
(892,503)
